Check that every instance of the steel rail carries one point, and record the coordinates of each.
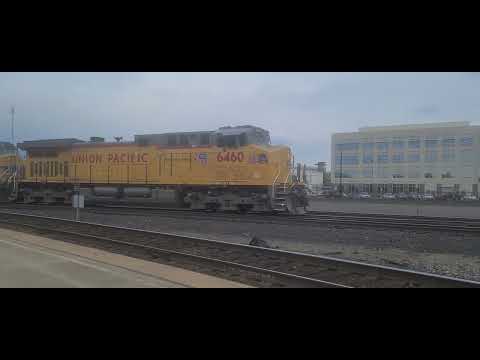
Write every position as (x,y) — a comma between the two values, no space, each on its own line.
(291,279)
(313,269)
(311,218)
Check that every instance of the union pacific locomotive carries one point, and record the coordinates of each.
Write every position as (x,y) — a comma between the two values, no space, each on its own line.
(232,168)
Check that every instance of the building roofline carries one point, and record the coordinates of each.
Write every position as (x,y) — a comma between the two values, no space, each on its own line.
(415,126)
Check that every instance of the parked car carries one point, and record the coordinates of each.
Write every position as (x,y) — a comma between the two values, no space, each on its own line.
(402,196)
(469,197)
(428,197)
(389,196)
(364,195)
(414,196)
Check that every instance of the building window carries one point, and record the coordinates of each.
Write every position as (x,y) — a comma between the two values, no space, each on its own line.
(398,157)
(367,172)
(382,158)
(413,172)
(346,174)
(431,143)
(413,157)
(65,172)
(347,159)
(32,169)
(368,158)
(467,172)
(382,146)
(448,154)
(431,156)
(447,175)
(466,156)
(466,141)
(398,144)
(448,142)
(348,147)
(414,144)
(382,172)
(368,147)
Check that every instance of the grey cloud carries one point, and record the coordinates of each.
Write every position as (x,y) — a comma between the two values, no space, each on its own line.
(300,109)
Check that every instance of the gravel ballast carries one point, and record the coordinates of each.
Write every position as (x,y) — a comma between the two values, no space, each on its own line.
(445,253)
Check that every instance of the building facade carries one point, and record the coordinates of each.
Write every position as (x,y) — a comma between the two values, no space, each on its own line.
(314,177)
(428,158)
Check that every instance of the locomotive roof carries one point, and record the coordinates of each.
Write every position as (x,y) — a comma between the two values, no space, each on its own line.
(50,143)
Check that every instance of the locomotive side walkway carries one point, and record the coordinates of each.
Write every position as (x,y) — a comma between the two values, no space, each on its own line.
(32,261)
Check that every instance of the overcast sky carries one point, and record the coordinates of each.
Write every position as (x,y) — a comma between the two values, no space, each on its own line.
(299,109)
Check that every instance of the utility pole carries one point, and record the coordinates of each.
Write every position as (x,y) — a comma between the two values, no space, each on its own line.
(341,172)
(12,113)
(13,164)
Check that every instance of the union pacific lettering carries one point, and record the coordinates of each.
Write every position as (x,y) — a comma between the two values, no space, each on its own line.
(119,158)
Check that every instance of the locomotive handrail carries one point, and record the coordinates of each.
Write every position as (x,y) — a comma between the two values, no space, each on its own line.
(4,174)
(285,183)
(274,182)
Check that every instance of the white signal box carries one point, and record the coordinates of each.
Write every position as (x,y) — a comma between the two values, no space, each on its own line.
(78,201)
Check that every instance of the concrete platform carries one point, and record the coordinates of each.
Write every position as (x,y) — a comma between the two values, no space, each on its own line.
(28,261)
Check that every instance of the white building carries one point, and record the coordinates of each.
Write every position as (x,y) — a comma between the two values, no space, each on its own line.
(314,177)
(439,158)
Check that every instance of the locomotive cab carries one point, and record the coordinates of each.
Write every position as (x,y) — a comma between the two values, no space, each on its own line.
(233,137)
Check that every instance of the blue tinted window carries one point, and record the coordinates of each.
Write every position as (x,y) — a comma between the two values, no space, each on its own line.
(382,146)
(431,143)
(348,147)
(431,156)
(466,141)
(347,159)
(367,172)
(398,144)
(368,147)
(346,173)
(448,155)
(448,142)
(382,158)
(368,158)
(413,157)
(466,155)
(414,144)
(399,157)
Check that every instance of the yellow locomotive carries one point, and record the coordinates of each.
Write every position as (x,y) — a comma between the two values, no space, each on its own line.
(232,168)
(7,164)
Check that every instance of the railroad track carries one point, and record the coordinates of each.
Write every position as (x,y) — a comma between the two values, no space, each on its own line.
(311,218)
(249,264)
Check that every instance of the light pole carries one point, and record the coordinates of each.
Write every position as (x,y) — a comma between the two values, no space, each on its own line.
(13,166)
(341,173)
(12,112)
